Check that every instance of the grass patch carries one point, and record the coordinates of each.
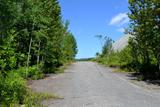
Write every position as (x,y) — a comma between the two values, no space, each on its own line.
(34,99)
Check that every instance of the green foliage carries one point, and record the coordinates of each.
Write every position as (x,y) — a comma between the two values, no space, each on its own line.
(85,59)
(33,41)
(69,47)
(107,47)
(114,59)
(14,92)
(12,89)
(106,43)
(7,54)
(145,28)
(143,53)
(125,56)
(9,14)
(102,60)
(122,58)
(29,73)
(39,35)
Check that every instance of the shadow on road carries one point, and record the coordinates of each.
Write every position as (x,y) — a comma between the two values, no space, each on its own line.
(138,77)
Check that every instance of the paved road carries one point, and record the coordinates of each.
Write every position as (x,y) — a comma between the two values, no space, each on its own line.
(87,84)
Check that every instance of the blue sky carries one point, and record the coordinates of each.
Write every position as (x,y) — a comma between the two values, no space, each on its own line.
(94,17)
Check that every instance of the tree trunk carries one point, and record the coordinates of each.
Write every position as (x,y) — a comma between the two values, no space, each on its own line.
(38,56)
(158,58)
(29,51)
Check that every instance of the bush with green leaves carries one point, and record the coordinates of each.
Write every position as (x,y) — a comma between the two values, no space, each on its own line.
(30,72)
(14,92)
(12,89)
(121,58)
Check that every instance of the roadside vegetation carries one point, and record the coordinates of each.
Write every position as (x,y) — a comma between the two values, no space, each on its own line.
(34,40)
(142,55)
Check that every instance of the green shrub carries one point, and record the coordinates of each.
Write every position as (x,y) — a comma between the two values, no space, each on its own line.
(12,89)
(102,60)
(125,56)
(30,73)
(121,59)
(113,59)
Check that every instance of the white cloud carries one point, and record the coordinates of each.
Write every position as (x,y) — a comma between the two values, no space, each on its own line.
(121,30)
(120,19)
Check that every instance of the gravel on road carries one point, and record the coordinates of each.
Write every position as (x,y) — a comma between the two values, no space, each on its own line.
(87,84)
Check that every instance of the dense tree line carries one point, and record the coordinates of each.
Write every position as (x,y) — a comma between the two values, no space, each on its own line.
(33,39)
(145,28)
(32,33)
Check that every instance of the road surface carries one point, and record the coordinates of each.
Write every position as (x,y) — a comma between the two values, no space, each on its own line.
(87,84)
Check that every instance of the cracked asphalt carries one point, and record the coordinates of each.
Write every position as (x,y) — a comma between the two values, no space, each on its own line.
(87,84)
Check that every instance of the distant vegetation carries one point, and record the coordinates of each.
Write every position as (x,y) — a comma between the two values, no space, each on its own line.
(33,40)
(85,59)
(142,54)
